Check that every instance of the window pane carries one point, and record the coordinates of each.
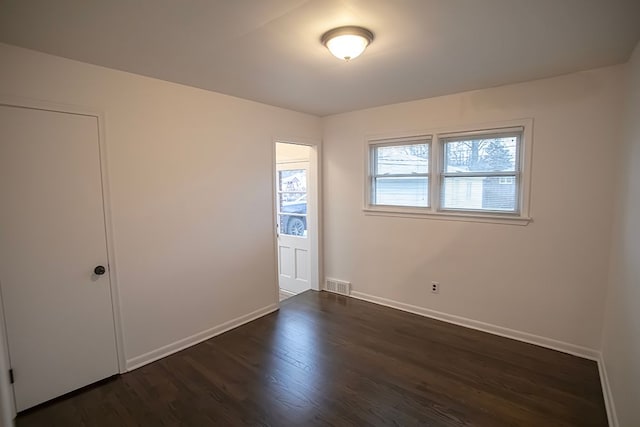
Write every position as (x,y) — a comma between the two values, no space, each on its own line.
(493,193)
(481,155)
(290,205)
(292,202)
(293,180)
(293,225)
(402,159)
(292,198)
(406,191)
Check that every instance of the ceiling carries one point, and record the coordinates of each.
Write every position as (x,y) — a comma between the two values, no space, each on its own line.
(269,50)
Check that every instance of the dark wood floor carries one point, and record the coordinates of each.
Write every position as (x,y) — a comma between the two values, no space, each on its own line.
(326,360)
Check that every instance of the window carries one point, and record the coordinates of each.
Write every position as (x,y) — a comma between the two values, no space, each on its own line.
(486,163)
(400,174)
(292,202)
(467,174)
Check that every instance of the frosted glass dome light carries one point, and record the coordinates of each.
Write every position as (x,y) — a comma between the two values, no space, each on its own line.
(347,43)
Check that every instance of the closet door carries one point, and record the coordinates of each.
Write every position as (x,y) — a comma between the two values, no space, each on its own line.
(54,274)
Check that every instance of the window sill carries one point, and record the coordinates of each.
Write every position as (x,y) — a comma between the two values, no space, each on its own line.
(447,216)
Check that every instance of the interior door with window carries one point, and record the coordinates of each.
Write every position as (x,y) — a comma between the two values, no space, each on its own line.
(54,273)
(293,230)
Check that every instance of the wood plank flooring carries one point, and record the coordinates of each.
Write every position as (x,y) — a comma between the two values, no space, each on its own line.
(328,360)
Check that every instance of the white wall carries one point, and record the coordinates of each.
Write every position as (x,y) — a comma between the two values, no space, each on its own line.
(191,183)
(621,338)
(548,278)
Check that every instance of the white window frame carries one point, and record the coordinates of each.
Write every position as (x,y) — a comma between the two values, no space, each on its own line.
(436,174)
(372,175)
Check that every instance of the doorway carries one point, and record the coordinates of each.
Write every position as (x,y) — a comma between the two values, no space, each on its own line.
(296,184)
(55,280)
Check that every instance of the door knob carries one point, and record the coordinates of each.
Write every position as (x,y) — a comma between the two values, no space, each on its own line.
(100,270)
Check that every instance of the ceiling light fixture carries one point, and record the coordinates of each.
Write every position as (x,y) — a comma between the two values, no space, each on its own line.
(347,42)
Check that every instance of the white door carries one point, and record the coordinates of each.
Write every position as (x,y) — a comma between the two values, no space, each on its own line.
(293,230)
(57,305)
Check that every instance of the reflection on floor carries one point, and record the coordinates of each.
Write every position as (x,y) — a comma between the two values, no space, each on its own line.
(329,360)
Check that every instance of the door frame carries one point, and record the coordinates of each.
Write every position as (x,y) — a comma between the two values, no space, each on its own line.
(314,203)
(35,104)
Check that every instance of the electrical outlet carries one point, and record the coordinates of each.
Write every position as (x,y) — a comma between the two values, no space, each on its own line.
(435,287)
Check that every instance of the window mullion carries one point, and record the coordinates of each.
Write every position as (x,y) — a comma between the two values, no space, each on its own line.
(434,183)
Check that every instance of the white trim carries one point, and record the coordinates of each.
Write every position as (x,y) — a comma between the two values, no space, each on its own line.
(38,104)
(283,294)
(287,293)
(7,397)
(576,350)
(404,140)
(286,162)
(314,219)
(116,301)
(274,220)
(609,403)
(483,132)
(447,215)
(473,128)
(181,344)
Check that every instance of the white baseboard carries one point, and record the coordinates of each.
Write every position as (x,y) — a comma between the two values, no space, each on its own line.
(576,350)
(164,351)
(612,416)
(286,294)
